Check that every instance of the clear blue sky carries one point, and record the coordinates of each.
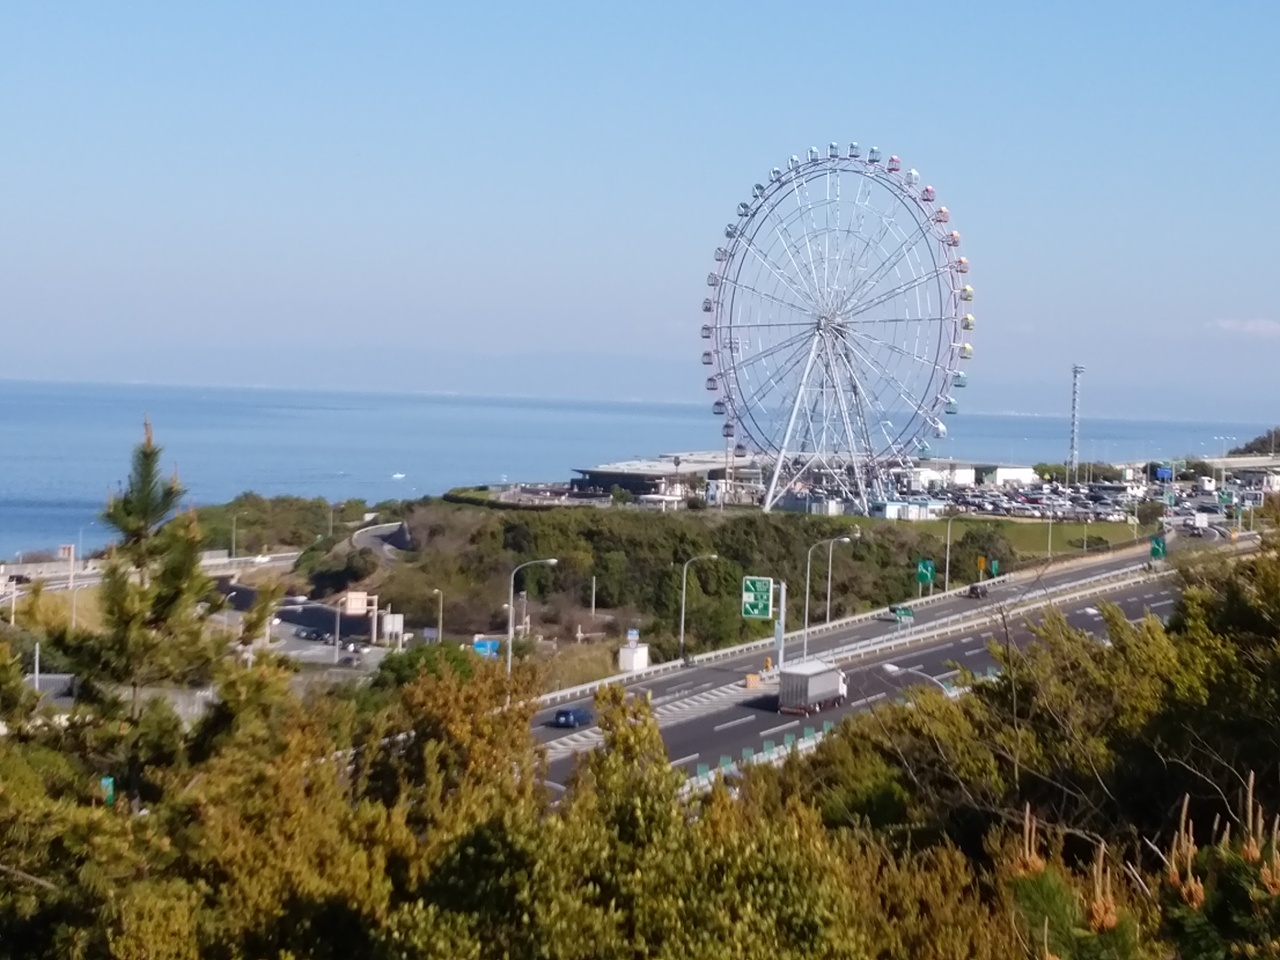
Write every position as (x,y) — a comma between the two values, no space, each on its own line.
(524,197)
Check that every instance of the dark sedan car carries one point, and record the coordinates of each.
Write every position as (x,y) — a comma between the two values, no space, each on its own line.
(573,717)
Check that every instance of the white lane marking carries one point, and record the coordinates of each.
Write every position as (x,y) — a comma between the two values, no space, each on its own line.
(733,723)
(682,686)
(683,760)
(945,646)
(557,786)
(988,635)
(871,699)
(918,666)
(974,652)
(779,728)
(1162,603)
(948,675)
(1147,596)
(703,686)
(967,639)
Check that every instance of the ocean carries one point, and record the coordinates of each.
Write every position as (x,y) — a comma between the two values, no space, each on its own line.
(64,447)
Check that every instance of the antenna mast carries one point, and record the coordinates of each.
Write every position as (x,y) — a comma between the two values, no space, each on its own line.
(1073,456)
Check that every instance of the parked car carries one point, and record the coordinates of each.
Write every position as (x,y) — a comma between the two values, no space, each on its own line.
(307,633)
(978,591)
(573,717)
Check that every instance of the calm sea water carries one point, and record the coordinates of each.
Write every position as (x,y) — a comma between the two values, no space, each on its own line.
(63,447)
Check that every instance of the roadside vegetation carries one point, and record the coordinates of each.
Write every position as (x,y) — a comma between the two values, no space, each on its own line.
(1094,800)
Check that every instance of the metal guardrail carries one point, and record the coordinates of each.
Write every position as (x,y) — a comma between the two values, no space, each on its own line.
(751,646)
(768,643)
(1245,542)
(808,741)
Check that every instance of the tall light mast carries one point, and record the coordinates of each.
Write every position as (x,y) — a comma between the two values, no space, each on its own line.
(1073,457)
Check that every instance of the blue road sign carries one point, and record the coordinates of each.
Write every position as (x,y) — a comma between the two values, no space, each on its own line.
(488,649)
(1164,473)
(633,633)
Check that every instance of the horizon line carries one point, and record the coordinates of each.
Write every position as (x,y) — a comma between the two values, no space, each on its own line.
(460,395)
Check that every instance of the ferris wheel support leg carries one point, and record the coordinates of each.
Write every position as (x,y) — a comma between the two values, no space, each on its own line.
(770,494)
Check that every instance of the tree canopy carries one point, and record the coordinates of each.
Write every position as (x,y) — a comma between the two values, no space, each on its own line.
(1107,797)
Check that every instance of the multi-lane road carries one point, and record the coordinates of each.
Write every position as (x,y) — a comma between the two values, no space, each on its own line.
(706,713)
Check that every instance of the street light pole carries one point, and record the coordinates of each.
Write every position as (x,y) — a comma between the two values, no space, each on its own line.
(808,565)
(439,616)
(234,518)
(946,568)
(75,591)
(684,590)
(511,611)
(857,535)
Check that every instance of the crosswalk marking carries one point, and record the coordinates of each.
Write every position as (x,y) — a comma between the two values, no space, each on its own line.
(672,710)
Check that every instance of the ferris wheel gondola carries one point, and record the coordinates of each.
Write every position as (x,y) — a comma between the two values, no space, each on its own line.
(838,308)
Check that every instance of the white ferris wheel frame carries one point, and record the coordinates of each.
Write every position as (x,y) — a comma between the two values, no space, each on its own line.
(837,325)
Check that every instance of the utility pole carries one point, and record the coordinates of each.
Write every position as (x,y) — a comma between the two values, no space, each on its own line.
(1073,456)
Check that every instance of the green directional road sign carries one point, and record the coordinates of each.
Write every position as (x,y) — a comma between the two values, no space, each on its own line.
(903,614)
(1171,499)
(1157,548)
(924,571)
(995,568)
(757,598)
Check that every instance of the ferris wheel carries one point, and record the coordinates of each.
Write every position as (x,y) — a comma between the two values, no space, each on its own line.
(837,324)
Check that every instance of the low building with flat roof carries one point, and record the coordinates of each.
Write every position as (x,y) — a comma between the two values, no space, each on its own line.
(925,474)
(668,474)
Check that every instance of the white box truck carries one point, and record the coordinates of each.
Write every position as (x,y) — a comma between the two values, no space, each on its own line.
(810,686)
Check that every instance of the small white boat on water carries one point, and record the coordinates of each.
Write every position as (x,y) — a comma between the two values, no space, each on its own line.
(397,476)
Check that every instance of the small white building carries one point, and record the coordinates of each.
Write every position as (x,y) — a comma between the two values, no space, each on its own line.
(915,509)
(933,474)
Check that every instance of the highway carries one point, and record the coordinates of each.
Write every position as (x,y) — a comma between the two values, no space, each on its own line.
(705,715)
(730,669)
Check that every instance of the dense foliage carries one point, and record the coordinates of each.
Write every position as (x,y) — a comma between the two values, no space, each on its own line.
(1094,800)
(636,559)
(1263,444)
(261,524)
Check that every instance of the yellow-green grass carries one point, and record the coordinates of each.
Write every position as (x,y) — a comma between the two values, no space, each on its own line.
(578,663)
(1028,538)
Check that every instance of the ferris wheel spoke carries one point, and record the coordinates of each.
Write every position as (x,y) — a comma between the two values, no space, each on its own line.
(902,320)
(781,231)
(813,271)
(849,432)
(889,263)
(862,398)
(773,379)
(900,388)
(895,292)
(893,347)
(777,271)
(791,421)
(869,244)
(782,345)
(764,295)
(849,232)
(769,324)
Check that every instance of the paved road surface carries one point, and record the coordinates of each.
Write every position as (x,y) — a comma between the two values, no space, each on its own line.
(727,670)
(701,722)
